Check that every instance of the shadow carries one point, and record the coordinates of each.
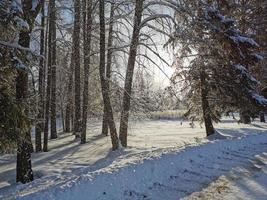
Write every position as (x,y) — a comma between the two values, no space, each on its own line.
(40,158)
(259,126)
(234,133)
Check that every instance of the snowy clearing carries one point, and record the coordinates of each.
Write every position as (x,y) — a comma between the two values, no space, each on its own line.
(165,160)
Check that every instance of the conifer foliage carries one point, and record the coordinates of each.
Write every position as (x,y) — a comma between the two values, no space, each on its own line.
(217,78)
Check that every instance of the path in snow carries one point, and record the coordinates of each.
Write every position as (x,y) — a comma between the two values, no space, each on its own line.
(67,161)
(247,182)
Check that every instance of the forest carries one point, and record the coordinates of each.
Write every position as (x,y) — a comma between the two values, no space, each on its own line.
(133,99)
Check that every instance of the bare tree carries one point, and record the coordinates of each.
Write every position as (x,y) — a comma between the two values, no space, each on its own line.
(87,29)
(103,79)
(52,64)
(108,65)
(41,92)
(129,73)
(77,71)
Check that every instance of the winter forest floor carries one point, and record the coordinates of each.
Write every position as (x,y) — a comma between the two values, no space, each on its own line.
(165,160)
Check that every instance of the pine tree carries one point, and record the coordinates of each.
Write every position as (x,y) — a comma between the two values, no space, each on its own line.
(220,62)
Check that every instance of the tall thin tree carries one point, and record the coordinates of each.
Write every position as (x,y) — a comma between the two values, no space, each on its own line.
(40,123)
(87,29)
(52,56)
(108,65)
(103,79)
(129,73)
(76,62)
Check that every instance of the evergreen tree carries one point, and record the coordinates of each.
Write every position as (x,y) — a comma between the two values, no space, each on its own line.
(218,78)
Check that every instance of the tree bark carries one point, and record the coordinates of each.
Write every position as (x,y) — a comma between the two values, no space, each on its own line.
(129,73)
(52,56)
(108,66)
(24,172)
(87,29)
(104,82)
(24,147)
(262,117)
(205,106)
(69,110)
(47,91)
(40,116)
(245,117)
(77,75)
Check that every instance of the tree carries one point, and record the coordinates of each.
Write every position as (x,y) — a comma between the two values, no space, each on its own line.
(24,169)
(40,117)
(218,71)
(108,65)
(76,63)
(103,79)
(129,73)
(87,29)
(52,65)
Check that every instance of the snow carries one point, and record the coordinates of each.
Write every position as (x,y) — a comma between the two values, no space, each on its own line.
(16,6)
(245,72)
(241,39)
(258,98)
(34,4)
(246,183)
(257,56)
(165,160)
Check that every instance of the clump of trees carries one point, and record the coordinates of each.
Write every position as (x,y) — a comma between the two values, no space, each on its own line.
(218,77)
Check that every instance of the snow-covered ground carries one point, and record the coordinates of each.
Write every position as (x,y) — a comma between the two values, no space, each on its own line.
(165,160)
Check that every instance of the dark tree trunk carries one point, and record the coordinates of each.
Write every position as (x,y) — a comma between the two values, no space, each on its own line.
(69,110)
(129,74)
(47,89)
(104,82)
(205,106)
(77,73)
(105,122)
(262,117)
(87,28)
(52,56)
(40,123)
(245,117)
(108,66)
(47,109)
(24,146)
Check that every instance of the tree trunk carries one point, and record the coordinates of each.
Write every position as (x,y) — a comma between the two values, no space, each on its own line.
(40,116)
(52,56)
(104,82)
(262,117)
(24,147)
(205,106)
(108,66)
(129,74)
(245,117)
(48,91)
(77,73)
(47,109)
(87,29)
(69,110)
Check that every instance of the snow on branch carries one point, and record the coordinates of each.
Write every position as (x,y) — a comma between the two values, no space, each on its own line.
(245,40)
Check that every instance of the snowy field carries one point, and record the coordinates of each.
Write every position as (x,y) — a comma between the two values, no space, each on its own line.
(165,160)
